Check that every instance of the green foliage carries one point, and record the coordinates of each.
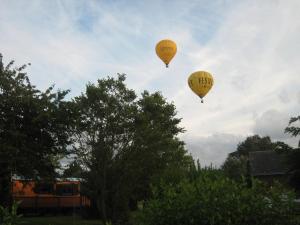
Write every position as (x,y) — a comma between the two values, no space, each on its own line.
(293,130)
(237,164)
(294,168)
(34,128)
(252,144)
(124,144)
(104,132)
(211,198)
(9,217)
(74,170)
(108,223)
(156,150)
(294,155)
(235,167)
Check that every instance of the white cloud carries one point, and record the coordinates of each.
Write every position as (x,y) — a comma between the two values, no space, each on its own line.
(213,148)
(272,123)
(253,59)
(298,97)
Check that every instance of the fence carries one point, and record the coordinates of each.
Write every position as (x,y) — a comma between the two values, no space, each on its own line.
(34,203)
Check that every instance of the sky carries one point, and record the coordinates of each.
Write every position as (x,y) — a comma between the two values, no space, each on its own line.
(252,49)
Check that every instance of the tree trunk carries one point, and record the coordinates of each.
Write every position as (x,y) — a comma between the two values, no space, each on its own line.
(101,204)
(5,185)
(248,175)
(101,196)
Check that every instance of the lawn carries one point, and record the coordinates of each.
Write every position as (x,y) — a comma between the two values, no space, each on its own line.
(59,220)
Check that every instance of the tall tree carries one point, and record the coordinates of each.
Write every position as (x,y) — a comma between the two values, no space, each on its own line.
(294,131)
(252,144)
(124,143)
(294,155)
(155,153)
(156,144)
(104,129)
(34,128)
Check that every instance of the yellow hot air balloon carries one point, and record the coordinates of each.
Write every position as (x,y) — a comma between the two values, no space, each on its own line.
(200,82)
(166,50)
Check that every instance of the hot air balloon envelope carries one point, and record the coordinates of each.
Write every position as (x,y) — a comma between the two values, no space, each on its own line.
(201,82)
(166,50)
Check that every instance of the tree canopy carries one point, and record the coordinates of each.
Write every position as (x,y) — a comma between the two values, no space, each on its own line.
(252,144)
(123,143)
(294,154)
(34,128)
(294,131)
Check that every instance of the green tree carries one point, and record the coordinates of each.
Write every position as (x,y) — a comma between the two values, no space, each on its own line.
(294,155)
(235,167)
(34,128)
(252,144)
(156,146)
(125,144)
(155,152)
(9,216)
(293,130)
(73,170)
(236,164)
(104,133)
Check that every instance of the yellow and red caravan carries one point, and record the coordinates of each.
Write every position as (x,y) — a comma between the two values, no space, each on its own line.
(49,195)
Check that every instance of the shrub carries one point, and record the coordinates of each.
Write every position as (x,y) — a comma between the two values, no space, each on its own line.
(213,199)
(9,217)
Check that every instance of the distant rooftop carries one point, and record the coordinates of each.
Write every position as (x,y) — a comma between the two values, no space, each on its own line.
(15,177)
(265,163)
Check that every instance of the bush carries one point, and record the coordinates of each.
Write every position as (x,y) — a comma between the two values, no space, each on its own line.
(9,217)
(213,199)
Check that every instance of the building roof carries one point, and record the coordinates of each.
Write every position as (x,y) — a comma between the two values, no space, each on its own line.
(264,163)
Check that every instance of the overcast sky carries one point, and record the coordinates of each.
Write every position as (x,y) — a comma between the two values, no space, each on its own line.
(252,49)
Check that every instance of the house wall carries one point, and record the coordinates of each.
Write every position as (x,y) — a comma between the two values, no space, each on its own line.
(271,179)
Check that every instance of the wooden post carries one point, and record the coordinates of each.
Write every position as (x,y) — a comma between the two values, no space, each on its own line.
(36,204)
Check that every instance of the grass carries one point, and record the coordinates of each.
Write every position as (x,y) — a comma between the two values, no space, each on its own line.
(59,220)
(66,220)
